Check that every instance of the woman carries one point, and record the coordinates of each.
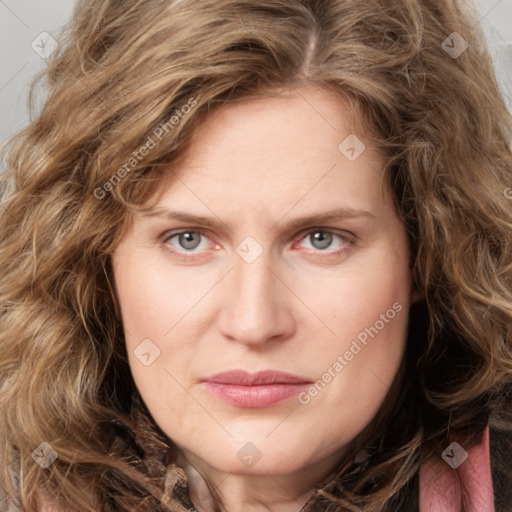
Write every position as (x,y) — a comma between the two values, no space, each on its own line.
(258,257)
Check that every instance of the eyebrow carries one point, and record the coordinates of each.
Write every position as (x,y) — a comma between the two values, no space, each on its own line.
(320,218)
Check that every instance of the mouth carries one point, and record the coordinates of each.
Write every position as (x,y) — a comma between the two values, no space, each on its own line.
(253,390)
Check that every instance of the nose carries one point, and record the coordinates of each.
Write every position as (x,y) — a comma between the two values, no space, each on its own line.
(256,305)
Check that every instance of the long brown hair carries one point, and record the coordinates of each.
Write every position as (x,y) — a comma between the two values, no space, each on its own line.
(127,86)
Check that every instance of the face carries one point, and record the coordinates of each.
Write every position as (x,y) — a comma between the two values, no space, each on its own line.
(265,299)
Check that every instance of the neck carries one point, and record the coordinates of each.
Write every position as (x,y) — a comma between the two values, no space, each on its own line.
(256,492)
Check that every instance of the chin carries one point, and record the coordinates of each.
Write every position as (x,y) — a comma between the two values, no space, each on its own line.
(258,458)
(260,467)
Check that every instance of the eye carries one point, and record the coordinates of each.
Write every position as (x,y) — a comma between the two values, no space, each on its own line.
(189,243)
(322,239)
(186,242)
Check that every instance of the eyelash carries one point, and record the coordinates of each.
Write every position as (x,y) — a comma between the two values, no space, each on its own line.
(347,242)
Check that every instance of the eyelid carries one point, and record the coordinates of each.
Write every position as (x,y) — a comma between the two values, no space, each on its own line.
(341,234)
(345,237)
(175,232)
(178,231)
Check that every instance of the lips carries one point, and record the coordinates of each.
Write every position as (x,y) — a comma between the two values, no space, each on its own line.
(251,390)
(242,378)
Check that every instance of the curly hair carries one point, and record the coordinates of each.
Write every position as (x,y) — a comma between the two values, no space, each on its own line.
(128,85)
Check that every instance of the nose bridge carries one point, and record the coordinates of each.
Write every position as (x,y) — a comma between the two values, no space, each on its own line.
(252,282)
(253,310)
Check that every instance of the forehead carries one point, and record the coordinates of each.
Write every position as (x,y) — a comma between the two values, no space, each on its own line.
(294,135)
(261,159)
(269,122)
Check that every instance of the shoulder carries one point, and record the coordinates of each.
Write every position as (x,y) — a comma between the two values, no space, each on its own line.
(501,467)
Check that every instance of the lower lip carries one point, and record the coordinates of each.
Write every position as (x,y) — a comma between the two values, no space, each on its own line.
(263,395)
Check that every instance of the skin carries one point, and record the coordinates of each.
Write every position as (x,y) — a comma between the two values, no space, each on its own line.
(253,167)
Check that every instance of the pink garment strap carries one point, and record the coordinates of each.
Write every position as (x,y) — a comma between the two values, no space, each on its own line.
(456,482)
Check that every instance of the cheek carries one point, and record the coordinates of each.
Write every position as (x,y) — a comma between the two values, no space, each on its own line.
(353,298)
(152,299)
(366,309)
(154,315)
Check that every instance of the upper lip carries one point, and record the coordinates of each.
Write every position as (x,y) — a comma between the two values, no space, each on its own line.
(243,378)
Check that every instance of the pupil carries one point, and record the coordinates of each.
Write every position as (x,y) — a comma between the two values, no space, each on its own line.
(323,239)
(186,240)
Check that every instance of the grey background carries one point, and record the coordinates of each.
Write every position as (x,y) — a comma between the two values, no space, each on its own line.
(23,21)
